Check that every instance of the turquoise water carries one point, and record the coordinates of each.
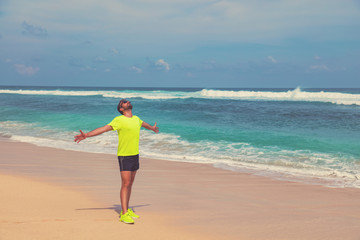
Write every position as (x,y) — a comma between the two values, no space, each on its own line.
(310,135)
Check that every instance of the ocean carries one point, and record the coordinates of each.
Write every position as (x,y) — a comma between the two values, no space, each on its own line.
(305,135)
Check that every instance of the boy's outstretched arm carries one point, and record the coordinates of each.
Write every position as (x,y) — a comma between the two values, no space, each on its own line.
(148,126)
(95,132)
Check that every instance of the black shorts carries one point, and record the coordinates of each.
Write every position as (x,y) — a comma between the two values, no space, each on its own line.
(129,163)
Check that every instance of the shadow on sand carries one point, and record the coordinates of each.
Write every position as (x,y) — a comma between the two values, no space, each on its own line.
(115,207)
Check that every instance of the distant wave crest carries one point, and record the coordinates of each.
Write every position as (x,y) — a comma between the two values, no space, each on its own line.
(109,94)
(291,95)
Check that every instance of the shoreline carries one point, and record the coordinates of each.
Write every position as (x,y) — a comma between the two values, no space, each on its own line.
(275,174)
(195,198)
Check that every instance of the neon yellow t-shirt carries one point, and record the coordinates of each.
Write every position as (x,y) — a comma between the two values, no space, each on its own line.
(129,133)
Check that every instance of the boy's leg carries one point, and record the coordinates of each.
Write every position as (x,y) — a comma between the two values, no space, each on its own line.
(133,173)
(126,182)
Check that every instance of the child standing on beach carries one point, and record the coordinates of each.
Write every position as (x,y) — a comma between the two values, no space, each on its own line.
(128,127)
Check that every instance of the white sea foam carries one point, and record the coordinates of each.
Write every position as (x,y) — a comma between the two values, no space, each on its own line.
(291,95)
(305,166)
(67,144)
(282,164)
(52,92)
(108,94)
(147,95)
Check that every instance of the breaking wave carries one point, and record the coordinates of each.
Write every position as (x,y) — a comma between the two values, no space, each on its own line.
(290,95)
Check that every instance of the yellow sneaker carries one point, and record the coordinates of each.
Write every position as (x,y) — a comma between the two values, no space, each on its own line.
(126,218)
(132,214)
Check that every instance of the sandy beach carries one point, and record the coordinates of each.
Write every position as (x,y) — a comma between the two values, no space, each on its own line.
(48,193)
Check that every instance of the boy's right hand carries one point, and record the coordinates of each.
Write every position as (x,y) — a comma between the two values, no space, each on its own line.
(80,137)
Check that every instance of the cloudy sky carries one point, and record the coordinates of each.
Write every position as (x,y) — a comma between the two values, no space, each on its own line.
(180,43)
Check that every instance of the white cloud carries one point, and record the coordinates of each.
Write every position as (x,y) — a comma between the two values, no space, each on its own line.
(244,20)
(88,68)
(273,60)
(115,51)
(316,57)
(321,67)
(32,30)
(162,63)
(108,70)
(240,20)
(136,69)
(25,70)
(100,59)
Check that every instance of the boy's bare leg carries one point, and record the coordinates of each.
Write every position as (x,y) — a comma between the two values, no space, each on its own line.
(125,191)
(133,173)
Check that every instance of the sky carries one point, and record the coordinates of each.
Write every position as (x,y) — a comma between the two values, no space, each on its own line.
(181,43)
